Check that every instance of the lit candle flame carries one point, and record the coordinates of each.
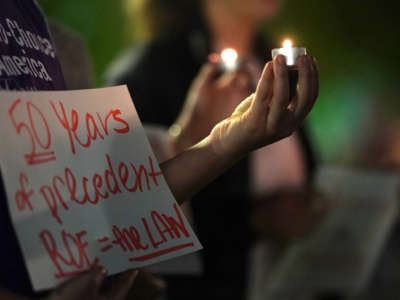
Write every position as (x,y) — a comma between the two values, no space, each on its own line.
(287,44)
(229,57)
(288,51)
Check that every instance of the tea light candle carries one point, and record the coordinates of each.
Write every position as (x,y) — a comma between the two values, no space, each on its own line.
(229,60)
(289,52)
(291,55)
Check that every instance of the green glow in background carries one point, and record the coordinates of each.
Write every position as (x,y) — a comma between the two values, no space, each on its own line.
(356,43)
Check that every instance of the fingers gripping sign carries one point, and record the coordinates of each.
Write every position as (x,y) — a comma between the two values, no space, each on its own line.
(91,285)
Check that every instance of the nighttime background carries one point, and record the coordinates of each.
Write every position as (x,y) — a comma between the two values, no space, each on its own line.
(356,43)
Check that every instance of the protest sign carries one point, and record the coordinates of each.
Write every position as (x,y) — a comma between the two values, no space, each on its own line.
(83,186)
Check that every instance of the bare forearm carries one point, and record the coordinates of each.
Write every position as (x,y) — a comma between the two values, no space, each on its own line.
(196,167)
(261,119)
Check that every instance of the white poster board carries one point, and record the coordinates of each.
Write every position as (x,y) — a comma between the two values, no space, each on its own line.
(83,185)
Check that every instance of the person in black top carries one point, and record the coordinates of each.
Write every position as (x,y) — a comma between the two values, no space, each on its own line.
(227,213)
(261,120)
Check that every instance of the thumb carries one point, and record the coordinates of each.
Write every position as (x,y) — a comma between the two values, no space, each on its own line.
(84,285)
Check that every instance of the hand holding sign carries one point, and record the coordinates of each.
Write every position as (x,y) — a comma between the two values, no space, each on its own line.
(89,286)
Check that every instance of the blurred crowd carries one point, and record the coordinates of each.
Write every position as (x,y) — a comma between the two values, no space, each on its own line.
(271,205)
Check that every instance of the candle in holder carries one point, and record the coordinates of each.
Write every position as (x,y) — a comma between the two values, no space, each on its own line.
(291,55)
(229,60)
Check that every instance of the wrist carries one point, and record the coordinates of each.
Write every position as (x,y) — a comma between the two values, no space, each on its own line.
(179,137)
(185,132)
(222,146)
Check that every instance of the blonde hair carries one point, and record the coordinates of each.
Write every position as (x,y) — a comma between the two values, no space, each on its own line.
(149,18)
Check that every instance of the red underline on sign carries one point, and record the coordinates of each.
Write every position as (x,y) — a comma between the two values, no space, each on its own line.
(161,252)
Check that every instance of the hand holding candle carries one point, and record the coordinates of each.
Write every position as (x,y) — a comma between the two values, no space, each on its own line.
(214,94)
(264,117)
(291,54)
(270,114)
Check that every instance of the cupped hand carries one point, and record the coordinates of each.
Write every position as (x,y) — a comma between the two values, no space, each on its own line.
(269,114)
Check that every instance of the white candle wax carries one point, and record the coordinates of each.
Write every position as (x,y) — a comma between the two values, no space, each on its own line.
(289,52)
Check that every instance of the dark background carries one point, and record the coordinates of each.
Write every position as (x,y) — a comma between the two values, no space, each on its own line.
(356,42)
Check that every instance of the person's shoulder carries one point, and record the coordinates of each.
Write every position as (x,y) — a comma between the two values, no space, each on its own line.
(147,60)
